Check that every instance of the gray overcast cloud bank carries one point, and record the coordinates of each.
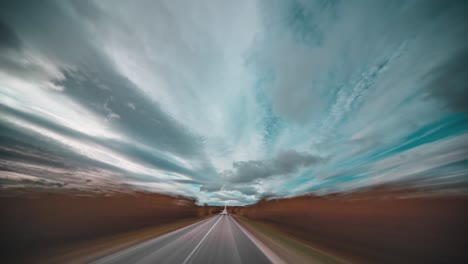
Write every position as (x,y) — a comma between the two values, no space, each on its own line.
(231,101)
(285,162)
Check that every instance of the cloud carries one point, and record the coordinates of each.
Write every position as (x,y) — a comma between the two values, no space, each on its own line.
(285,162)
(212,187)
(449,82)
(245,189)
(8,38)
(189,99)
(229,198)
(78,125)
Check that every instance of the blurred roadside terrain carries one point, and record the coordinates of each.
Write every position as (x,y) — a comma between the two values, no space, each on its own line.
(372,226)
(39,225)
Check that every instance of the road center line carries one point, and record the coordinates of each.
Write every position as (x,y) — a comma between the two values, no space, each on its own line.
(201,241)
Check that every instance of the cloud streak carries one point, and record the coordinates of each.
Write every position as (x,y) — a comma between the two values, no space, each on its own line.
(230,102)
(284,163)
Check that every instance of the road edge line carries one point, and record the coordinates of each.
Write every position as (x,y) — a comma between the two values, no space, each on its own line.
(272,256)
(124,251)
(201,241)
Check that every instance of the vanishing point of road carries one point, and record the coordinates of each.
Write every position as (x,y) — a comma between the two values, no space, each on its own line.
(218,239)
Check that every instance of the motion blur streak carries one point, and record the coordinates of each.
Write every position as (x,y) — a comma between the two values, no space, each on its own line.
(230,101)
(225,243)
(333,130)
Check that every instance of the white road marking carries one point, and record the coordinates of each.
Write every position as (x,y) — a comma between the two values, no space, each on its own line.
(112,257)
(275,259)
(201,241)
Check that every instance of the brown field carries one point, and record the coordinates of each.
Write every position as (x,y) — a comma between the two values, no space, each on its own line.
(34,221)
(364,227)
(373,227)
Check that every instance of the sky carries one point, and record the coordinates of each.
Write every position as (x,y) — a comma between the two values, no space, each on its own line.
(229,102)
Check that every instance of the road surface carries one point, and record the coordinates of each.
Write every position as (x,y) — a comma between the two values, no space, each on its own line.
(217,239)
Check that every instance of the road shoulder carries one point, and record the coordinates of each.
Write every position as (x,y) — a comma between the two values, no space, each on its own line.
(89,250)
(287,248)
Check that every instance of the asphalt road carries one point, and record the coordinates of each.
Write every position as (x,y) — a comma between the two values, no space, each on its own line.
(215,240)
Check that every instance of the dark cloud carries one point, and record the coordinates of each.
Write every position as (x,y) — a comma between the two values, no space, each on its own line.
(8,37)
(450,82)
(91,80)
(284,163)
(94,82)
(62,37)
(24,153)
(26,147)
(141,96)
(211,187)
(13,59)
(107,93)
